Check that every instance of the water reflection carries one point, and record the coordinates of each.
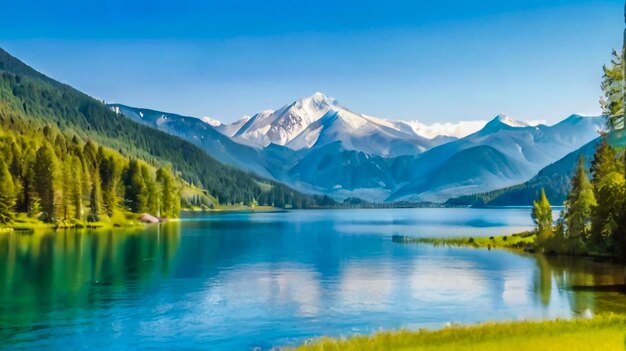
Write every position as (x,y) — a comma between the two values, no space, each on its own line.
(240,281)
(44,272)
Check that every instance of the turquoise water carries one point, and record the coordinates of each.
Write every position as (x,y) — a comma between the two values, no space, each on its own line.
(242,281)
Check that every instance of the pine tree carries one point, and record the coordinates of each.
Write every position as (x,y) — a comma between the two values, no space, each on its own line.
(95,198)
(542,217)
(44,178)
(67,185)
(607,181)
(152,191)
(170,198)
(579,204)
(7,195)
(76,190)
(612,102)
(136,194)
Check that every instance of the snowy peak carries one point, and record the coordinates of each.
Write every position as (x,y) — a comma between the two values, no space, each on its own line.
(511,122)
(210,121)
(283,125)
(503,122)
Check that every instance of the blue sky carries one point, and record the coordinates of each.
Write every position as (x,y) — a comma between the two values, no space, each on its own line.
(426,60)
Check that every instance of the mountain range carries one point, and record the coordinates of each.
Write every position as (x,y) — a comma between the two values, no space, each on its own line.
(317,145)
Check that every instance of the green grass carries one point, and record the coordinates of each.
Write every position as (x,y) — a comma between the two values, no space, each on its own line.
(601,333)
(515,241)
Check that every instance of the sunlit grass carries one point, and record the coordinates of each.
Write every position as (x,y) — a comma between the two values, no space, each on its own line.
(601,333)
(514,241)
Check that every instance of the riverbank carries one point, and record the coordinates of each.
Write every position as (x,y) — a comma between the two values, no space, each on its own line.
(600,333)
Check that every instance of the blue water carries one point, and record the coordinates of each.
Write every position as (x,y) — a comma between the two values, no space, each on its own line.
(240,281)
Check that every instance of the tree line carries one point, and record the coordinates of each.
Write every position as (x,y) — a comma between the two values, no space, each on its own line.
(59,179)
(593,220)
(40,98)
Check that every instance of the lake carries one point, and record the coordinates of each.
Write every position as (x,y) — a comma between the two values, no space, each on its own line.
(243,281)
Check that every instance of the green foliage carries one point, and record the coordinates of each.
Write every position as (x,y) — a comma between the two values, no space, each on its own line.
(45,174)
(579,204)
(612,102)
(40,99)
(542,213)
(7,192)
(170,206)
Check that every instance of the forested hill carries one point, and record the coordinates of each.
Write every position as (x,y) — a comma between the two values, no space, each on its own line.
(36,97)
(555,179)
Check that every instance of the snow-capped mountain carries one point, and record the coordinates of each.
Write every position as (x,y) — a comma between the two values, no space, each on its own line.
(318,120)
(281,126)
(317,145)
(359,133)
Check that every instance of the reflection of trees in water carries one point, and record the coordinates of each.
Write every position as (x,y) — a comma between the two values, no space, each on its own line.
(45,271)
(571,273)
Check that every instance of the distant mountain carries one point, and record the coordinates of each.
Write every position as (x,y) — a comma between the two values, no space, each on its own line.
(505,152)
(316,145)
(555,179)
(200,133)
(318,120)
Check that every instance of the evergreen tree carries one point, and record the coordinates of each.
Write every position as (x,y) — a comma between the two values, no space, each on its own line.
(76,189)
(110,170)
(612,102)
(579,204)
(607,182)
(152,199)
(67,184)
(95,198)
(136,193)
(170,198)
(44,177)
(542,212)
(7,195)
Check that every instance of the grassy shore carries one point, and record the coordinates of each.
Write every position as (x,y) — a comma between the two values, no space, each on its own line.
(601,333)
(520,241)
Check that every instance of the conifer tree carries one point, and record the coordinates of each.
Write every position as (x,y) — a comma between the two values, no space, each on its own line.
(579,204)
(170,198)
(612,102)
(76,190)
(136,194)
(44,177)
(542,217)
(95,198)
(7,195)
(607,180)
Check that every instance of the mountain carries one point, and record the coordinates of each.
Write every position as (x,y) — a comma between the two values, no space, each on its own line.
(555,179)
(319,120)
(32,96)
(200,133)
(345,154)
(359,133)
(281,126)
(503,153)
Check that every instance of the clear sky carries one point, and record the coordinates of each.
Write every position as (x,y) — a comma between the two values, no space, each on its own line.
(427,60)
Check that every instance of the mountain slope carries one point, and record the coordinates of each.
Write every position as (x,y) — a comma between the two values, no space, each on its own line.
(199,133)
(40,98)
(281,126)
(555,179)
(523,151)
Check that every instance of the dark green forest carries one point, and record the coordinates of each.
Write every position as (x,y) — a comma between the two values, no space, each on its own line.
(31,100)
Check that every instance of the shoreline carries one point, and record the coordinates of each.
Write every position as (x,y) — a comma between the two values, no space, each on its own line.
(605,332)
